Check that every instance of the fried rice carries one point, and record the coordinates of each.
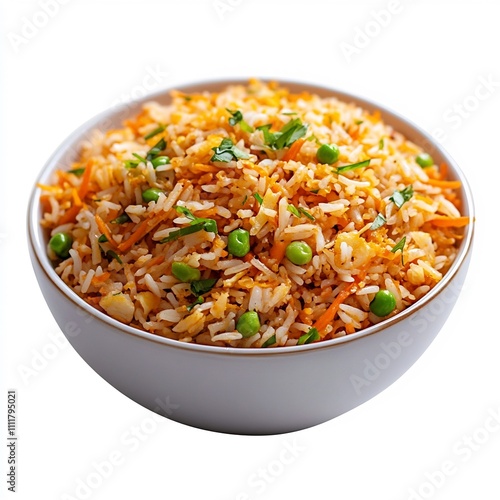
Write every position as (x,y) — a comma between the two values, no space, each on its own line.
(175,181)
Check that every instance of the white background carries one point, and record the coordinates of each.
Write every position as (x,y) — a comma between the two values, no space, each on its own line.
(427,63)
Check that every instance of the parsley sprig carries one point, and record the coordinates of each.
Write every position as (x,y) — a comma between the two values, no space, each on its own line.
(237,117)
(288,134)
(226,151)
(401,197)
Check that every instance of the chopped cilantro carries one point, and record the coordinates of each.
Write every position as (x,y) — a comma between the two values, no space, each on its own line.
(199,300)
(209,225)
(114,255)
(202,286)
(400,246)
(121,219)
(401,197)
(178,233)
(154,132)
(288,134)
(378,222)
(291,208)
(269,341)
(353,166)
(309,337)
(259,198)
(226,151)
(77,171)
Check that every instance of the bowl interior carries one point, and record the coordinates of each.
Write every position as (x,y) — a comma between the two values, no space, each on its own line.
(68,152)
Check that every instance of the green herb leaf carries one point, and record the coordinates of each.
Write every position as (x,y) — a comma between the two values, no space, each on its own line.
(400,246)
(258,197)
(309,337)
(291,208)
(185,211)
(154,132)
(288,134)
(381,143)
(358,122)
(77,171)
(378,222)
(134,163)
(353,166)
(156,149)
(268,136)
(237,117)
(292,131)
(175,235)
(303,211)
(114,255)
(121,219)
(102,239)
(209,225)
(269,341)
(202,286)
(226,151)
(199,300)
(401,197)
(244,200)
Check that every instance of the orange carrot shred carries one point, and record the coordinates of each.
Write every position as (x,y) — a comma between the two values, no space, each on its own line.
(445,221)
(329,315)
(445,184)
(70,215)
(105,230)
(142,230)
(278,250)
(84,186)
(294,150)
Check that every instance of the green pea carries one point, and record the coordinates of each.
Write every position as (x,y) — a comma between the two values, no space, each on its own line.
(383,303)
(328,153)
(151,194)
(160,160)
(299,253)
(60,244)
(424,160)
(238,242)
(248,324)
(185,273)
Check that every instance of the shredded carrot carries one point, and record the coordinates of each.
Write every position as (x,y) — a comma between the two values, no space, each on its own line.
(99,280)
(70,215)
(445,184)
(443,170)
(292,153)
(205,168)
(76,198)
(278,250)
(445,221)
(54,189)
(84,186)
(349,328)
(155,260)
(105,230)
(142,230)
(248,257)
(329,315)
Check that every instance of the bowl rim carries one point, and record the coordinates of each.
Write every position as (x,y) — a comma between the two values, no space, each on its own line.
(38,251)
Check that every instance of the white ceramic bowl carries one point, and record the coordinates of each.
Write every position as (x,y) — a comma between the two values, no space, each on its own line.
(247,391)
